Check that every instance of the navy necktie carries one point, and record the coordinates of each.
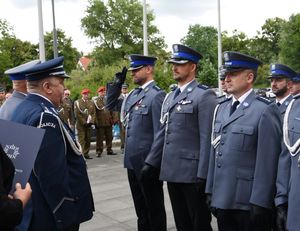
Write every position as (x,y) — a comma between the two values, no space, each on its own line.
(177,92)
(233,106)
(278,104)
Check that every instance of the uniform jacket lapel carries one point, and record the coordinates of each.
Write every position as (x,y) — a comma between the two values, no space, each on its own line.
(189,88)
(135,99)
(240,111)
(283,106)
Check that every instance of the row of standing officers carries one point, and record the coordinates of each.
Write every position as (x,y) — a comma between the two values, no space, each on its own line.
(228,158)
(222,157)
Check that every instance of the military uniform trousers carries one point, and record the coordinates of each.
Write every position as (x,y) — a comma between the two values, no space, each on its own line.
(104,133)
(189,206)
(240,220)
(84,138)
(148,197)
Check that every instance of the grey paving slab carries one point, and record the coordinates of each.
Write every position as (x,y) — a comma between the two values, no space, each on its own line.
(113,203)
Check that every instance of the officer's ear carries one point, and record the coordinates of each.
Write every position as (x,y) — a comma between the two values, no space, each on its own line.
(193,67)
(149,68)
(47,85)
(250,76)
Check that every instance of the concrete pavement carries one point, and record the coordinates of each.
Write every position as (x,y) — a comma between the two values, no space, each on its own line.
(113,203)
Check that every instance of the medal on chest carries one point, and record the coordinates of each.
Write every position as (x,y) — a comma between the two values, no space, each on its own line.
(178,108)
(138,105)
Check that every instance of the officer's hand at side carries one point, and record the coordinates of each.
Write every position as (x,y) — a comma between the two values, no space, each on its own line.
(22,194)
(120,77)
(213,210)
(149,172)
(281,216)
(259,215)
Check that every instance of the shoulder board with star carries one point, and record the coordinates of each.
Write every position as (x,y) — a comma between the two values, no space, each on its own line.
(157,88)
(262,99)
(225,100)
(202,86)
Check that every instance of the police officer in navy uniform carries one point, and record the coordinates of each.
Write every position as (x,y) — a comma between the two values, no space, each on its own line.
(181,148)
(225,94)
(17,76)
(281,83)
(246,143)
(140,113)
(62,197)
(288,187)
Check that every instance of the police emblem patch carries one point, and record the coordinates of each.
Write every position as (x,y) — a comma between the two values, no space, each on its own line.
(175,48)
(11,151)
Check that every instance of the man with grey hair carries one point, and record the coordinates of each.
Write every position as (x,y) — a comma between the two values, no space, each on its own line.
(62,197)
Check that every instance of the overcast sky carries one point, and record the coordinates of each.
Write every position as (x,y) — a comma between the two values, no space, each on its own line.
(173,17)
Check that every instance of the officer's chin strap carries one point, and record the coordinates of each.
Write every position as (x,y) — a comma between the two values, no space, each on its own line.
(215,141)
(296,147)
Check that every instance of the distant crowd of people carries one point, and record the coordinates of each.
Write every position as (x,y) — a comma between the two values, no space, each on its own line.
(235,156)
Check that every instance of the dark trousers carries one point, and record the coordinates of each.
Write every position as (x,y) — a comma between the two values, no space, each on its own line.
(189,206)
(238,220)
(72,228)
(148,201)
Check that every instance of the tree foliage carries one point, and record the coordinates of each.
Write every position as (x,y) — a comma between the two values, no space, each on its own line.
(13,51)
(265,45)
(64,48)
(117,29)
(289,42)
(204,39)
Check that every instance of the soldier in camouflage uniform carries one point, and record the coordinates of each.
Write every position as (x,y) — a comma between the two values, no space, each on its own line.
(2,95)
(65,110)
(85,117)
(104,121)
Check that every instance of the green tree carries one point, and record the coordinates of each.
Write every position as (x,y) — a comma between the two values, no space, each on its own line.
(205,40)
(289,43)
(237,42)
(117,29)
(265,45)
(64,48)
(13,51)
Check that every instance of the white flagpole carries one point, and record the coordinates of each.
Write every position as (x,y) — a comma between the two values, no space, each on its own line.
(145,28)
(219,48)
(55,53)
(41,32)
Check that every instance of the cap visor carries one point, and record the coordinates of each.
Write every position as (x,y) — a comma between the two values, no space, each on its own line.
(277,77)
(134,68)
(181,61)
(235,69)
